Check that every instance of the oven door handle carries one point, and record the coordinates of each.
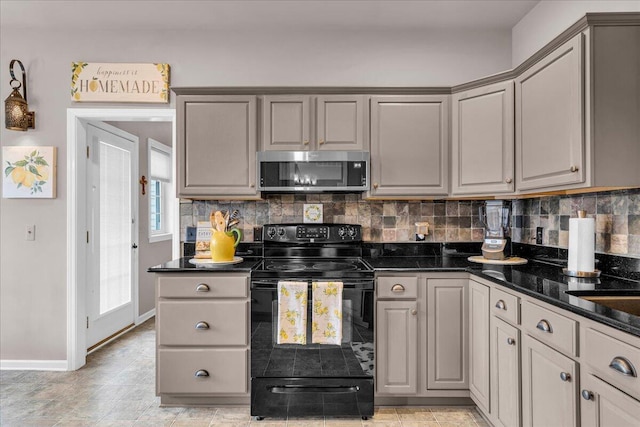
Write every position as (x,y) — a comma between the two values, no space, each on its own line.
(271,285)
(296,389)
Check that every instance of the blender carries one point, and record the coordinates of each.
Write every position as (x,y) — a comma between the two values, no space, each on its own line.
(495,216)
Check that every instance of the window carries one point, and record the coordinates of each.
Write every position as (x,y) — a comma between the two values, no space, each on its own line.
(160,191)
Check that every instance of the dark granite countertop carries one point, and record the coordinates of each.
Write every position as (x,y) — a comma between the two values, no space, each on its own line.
(540,280)
(182,265)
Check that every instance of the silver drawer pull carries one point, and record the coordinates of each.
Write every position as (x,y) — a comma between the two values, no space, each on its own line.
(414,312)
(202,287)
(511,341)
(397,288)
(201,373)
(544,326)
(500,305)
(202,325)
(587,395)
(623,366)
(565,376)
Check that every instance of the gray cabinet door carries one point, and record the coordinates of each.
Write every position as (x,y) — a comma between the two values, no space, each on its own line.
(397,347)
(549,386)
(409,145)
(216,146)
(505,374)
(479,379)
(482,143)
(550,136)
(605,406)
(286,122)
(340,122)
(447,334)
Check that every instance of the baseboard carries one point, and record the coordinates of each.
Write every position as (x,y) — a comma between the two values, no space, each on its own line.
(34,365)
(146,316)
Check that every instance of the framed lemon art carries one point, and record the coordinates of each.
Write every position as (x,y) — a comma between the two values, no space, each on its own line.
(29,172)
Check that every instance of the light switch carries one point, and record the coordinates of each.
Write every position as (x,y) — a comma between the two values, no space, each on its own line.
(31,232)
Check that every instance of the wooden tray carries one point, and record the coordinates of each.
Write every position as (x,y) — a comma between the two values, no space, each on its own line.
(507,261)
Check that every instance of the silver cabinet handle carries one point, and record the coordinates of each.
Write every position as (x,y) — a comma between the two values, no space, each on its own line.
(375,185)
(511,341)
(508,180)
(201,373)
(500,305)
(623,366)
(202,326)
(573,169)
(397,288)
(305,142)
(565,376)
(587,395)
(321,142)
(414,312)
(544,326)
(202,287)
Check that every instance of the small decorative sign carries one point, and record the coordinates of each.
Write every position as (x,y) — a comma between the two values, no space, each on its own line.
(119,82)
(312,213)
(29,172)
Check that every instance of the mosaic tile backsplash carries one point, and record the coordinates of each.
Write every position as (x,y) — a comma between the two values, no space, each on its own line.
(617,217)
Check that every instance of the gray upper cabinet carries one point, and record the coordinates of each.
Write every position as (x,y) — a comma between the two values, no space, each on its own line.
(217,146)
(482,144)
(550,121)
(409,146)
(577,113)
(339,122)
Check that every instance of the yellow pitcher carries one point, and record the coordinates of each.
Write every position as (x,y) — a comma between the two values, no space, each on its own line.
(223,244)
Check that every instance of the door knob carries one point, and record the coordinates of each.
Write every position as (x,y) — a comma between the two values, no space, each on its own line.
(134,246)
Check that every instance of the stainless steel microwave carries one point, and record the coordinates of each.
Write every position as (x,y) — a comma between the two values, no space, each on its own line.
(313,171)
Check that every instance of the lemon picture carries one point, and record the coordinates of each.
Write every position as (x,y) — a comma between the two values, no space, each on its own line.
(31,172)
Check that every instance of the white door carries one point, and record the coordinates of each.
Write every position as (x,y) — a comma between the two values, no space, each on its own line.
(112,231)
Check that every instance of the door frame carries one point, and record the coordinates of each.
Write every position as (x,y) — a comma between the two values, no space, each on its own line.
(77,120)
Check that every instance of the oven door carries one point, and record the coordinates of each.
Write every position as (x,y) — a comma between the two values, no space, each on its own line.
(352,358)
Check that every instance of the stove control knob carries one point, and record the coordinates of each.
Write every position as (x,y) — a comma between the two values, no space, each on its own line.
(271,232)
(281,232)
(341,231)
(351,231)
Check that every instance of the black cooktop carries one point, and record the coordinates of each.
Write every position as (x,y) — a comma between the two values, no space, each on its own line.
(306,268)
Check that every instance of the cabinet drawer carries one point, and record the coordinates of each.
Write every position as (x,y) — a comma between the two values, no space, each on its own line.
(205,286)
(183,322)
(505,305)
(219,370)
(610,357)
(551,328)
(397,287)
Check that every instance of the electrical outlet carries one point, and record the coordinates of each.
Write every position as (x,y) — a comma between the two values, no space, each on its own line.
(539,235)
(31,232)
(191,234)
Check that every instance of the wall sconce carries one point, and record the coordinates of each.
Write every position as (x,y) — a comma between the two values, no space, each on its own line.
(16,110)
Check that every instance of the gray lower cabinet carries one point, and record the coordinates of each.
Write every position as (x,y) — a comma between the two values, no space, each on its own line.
(216,146)
(549,386)
(397,347)
(603,405)
(202,338)
(447,334)
(409,146)
(482,158)
(505,374)
(479,329)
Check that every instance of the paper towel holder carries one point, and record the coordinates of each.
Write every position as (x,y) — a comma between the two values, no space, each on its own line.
(583,274)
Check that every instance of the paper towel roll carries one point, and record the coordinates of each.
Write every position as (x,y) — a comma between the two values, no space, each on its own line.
(581,244)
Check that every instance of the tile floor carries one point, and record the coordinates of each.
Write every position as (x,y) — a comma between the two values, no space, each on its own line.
(117,388)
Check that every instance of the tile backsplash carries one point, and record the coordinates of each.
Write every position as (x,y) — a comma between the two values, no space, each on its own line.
(382,221)
(617,215)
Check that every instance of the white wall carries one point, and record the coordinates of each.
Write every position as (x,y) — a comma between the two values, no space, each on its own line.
(33,274)
(149,254)
(550,18)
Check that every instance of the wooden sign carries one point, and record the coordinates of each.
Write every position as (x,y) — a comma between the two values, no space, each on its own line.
(119,82)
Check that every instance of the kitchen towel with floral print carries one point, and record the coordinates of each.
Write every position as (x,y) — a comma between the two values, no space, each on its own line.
(292,312)
(326,325)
